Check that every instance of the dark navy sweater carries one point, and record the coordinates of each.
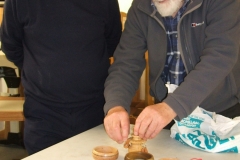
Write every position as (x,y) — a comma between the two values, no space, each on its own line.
(62,46)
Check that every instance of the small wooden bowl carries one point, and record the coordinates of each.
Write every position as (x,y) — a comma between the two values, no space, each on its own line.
(105,153)
(139,156)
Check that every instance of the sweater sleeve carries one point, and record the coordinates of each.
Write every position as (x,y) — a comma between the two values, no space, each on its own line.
(113,28)
(12,34)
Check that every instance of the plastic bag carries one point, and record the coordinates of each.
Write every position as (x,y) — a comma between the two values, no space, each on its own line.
(208,131)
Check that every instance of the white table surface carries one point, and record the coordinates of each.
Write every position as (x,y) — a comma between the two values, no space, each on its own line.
(80,147)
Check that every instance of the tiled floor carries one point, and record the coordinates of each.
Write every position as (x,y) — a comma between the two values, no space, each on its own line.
(12,152)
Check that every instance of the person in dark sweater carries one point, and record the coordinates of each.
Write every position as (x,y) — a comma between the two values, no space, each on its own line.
(63,50)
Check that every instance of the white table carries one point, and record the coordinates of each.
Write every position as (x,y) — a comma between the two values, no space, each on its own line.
(80,147)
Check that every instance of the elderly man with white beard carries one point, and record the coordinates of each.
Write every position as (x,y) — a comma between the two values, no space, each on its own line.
(193,46)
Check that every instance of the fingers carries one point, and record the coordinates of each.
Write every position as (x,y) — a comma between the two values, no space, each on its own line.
(152,120)
(125,128)
(116,124)
(146,124)
(113,130)
(142,124)
(152,130)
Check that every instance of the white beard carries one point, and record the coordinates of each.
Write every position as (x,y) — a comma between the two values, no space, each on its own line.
(168,7)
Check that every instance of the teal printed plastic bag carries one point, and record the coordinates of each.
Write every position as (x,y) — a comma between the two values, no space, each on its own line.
(208,131)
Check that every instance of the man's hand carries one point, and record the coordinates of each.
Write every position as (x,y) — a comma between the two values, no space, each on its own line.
(117,124)
(153,119)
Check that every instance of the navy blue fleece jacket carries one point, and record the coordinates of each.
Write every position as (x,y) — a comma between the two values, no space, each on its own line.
(62,46)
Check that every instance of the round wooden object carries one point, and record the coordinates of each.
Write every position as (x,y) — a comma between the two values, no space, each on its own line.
(105,153)
(138,156)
